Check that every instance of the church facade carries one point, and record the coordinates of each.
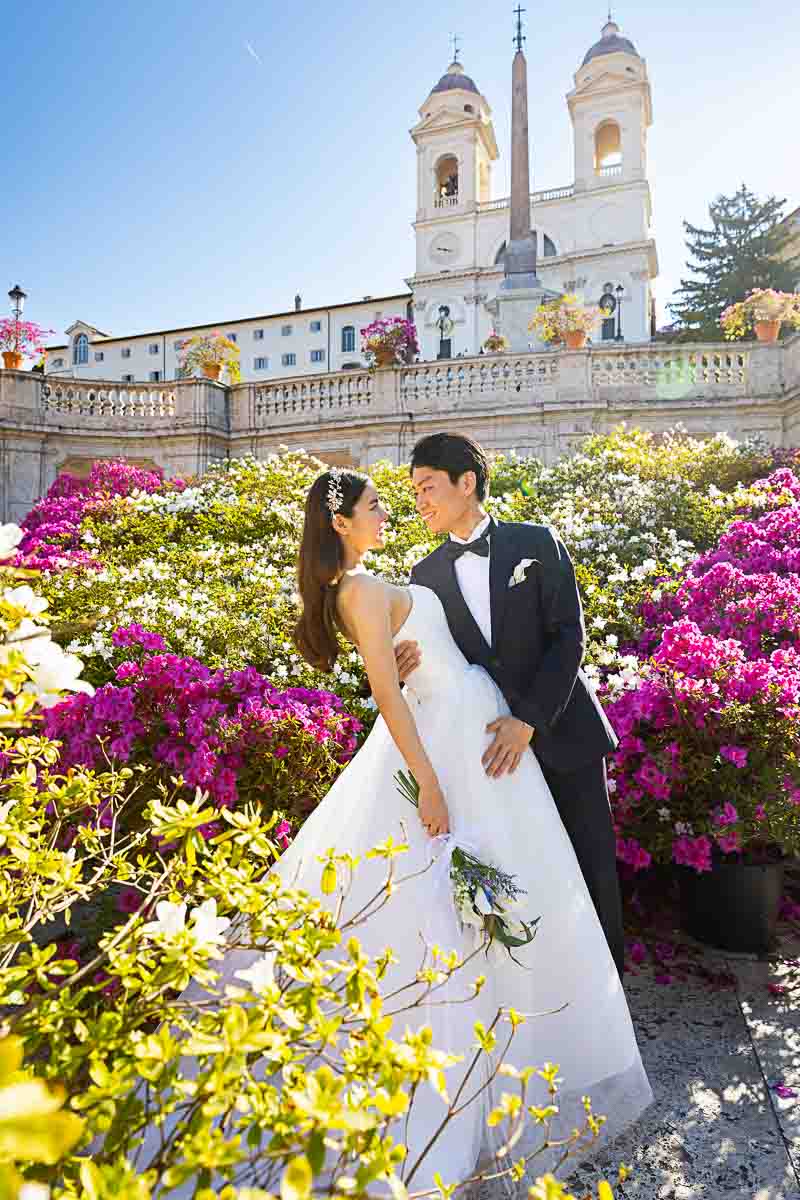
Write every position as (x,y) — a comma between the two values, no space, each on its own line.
(593,238)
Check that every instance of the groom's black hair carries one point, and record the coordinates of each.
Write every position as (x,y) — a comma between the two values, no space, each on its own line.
(454,453)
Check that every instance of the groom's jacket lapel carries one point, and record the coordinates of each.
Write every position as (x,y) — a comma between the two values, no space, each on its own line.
(465,629)
(463,625)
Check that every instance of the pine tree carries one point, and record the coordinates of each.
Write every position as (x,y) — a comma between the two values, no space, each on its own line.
(742,250)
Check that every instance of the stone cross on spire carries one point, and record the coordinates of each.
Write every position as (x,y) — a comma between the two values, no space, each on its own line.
(520,256)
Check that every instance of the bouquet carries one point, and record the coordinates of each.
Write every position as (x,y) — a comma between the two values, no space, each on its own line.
(484,896)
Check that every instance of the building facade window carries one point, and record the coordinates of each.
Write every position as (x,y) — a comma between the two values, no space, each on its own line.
(318,356)
(234,337)
(258,335)
(316,326)
(99,356)
(348,339)
(177,345)
(126,351)
(289,360)
(127,379)
(153,348)
(260,364)
(155,377)
(58,362)
(286,330)
(80,349)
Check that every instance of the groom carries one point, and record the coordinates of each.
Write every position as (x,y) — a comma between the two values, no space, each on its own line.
(512,604)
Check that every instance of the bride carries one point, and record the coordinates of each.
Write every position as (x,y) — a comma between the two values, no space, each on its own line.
(436,729)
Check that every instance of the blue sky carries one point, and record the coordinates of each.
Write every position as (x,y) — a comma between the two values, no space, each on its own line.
(159,172)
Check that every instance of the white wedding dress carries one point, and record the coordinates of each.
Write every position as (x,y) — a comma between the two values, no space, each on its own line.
(510,822)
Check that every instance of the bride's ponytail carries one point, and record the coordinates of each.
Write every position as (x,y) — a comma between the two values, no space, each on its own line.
(321,563)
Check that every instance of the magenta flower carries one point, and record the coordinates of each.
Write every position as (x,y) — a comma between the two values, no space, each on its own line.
(726,815)
(735,754)
(129,900)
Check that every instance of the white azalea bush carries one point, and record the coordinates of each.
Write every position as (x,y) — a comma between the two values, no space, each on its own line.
(211,568)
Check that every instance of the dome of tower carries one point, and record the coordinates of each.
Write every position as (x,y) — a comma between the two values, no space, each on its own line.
(610,43)
(456,79)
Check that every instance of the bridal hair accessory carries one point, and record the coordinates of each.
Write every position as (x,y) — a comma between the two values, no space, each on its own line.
(335,497)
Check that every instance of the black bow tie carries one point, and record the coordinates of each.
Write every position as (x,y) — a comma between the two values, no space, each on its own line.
(480,547)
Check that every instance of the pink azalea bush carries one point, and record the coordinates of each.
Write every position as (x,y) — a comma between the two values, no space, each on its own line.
(53,535)
(395,334)
(231,734)
(707,763)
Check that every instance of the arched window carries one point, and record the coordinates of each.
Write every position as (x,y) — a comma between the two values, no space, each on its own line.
(548,247)
(80,349)
(446,187)
(348,339)
(608,149)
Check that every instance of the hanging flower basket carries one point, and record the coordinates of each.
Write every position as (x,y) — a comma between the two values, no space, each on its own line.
(762,311)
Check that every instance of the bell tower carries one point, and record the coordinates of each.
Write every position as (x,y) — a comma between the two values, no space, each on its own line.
(611,111)
(456,147)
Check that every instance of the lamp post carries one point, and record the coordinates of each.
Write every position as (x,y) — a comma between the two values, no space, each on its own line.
(17,298)
(619,289)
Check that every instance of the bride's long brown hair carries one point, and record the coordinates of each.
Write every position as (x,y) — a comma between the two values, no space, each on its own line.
(321,562)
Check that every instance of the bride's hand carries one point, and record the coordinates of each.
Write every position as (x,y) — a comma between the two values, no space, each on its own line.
(433,809)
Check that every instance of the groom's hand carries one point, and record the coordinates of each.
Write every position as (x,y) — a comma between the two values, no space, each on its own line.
(511,739)
(408,657)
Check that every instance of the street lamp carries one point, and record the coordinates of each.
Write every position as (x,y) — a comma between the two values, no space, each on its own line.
(619,289)
(17,298)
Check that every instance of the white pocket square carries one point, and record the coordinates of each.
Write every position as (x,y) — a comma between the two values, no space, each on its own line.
(520,570)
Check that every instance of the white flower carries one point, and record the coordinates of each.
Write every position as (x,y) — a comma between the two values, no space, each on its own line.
(25,597)
(664,814)
(10,538)
(33,1191)
(170,920)
(260,974)
(208,928)
(54,672)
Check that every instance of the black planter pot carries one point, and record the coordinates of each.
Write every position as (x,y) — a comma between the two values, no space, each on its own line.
(734,906)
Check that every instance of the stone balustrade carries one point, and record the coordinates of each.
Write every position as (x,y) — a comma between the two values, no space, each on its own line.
(542,403)
(562,193)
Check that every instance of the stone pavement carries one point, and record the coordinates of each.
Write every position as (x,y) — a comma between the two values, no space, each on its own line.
(717,1130)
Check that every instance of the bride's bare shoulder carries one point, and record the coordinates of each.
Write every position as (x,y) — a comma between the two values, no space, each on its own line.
(359,588)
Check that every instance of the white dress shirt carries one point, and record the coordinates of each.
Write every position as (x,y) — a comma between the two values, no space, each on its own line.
(472,576)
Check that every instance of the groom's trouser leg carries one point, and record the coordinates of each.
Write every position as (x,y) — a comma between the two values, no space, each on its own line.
(582,801)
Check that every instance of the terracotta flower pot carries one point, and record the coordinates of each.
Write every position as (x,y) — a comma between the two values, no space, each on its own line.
(384,357)
(575,339)
(13,360)
(767,331)
(212,370)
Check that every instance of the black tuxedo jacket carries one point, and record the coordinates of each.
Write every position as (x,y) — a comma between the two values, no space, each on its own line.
(538,639)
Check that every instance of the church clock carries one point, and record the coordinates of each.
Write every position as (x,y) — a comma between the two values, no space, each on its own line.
(444,248)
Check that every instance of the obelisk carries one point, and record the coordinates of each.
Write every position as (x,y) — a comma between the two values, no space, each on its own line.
(520,256)
(520,290)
